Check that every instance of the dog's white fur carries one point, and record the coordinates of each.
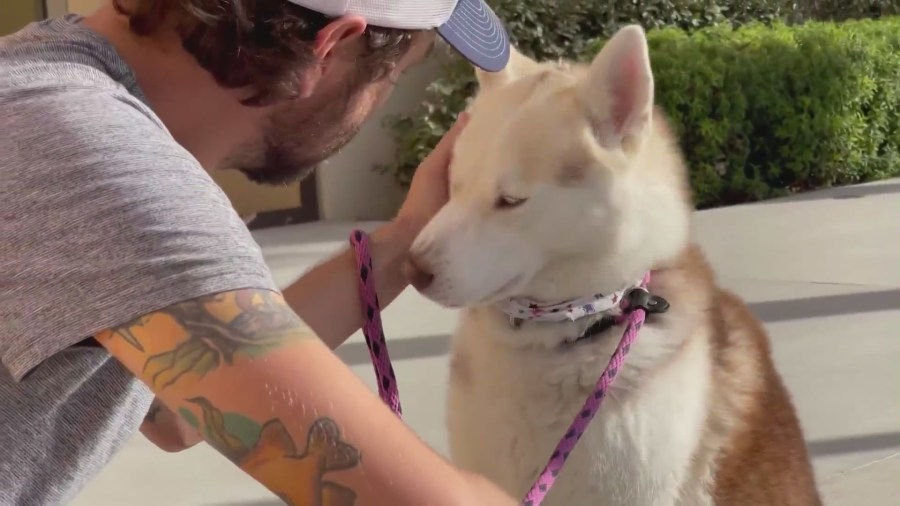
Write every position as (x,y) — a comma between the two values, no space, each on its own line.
(606,201)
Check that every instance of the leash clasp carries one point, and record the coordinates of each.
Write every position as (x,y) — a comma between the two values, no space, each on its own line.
(642,298)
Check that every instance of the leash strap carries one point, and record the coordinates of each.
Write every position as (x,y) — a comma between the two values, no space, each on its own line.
(387,381)
(545,480)
(372,328)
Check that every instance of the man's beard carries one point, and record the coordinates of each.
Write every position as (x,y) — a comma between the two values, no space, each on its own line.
(295,142)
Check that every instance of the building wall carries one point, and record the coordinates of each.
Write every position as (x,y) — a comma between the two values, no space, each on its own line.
(14,14)
(84,6)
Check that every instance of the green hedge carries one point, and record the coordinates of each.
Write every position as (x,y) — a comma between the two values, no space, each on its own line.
(761,110)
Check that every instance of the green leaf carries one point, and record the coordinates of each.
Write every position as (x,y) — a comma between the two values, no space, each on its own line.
(218,434)
(193,356)
(189,417)
(242,427)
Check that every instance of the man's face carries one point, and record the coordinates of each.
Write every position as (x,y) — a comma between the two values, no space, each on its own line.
(300,134)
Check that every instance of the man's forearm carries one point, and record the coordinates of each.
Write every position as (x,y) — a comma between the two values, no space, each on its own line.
(327,297)
(283,407)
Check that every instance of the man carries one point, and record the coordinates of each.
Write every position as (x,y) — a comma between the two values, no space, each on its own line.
(123,266)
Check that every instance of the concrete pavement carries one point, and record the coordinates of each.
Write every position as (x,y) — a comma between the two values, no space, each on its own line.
(822,270)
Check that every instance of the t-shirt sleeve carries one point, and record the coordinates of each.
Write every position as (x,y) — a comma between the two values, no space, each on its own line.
(103,218)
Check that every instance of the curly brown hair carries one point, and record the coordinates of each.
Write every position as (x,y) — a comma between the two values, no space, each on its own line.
(261,44)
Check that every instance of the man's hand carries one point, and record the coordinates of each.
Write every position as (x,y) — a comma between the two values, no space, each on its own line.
(428,191)
(326,297)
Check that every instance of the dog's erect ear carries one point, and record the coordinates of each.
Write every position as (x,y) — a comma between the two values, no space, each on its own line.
(519,65)
(618,90)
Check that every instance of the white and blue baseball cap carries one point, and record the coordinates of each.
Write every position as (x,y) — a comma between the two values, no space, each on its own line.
(470,26)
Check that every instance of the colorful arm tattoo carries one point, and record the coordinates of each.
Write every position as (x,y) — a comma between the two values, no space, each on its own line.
(190,354)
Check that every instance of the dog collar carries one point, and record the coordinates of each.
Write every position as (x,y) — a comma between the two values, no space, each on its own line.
(635,298)
(522,309)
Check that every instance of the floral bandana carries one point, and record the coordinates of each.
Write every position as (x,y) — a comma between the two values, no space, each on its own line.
(527,310)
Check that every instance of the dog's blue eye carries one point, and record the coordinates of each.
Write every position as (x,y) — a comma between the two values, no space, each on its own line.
(507,202)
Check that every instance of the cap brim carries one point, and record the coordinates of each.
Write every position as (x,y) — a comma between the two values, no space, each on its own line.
(475,31)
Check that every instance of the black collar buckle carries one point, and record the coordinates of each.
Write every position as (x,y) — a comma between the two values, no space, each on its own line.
(641,298)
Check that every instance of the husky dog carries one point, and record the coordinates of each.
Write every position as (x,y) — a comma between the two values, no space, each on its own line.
(566,188)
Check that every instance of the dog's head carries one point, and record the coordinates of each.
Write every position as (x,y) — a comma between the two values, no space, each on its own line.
(565,182)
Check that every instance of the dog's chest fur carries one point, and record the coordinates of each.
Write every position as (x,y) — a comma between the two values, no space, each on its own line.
(511,402)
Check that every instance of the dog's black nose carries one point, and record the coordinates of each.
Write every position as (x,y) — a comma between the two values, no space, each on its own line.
(418,276)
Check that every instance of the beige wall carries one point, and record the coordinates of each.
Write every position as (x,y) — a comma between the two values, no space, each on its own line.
(14,14)
(248,198)
(84,6)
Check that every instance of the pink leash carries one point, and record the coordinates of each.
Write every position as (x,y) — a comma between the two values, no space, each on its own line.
(372,329)
(387,381)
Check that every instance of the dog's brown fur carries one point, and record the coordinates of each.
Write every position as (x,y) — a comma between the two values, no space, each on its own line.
(764,461)
(753,441)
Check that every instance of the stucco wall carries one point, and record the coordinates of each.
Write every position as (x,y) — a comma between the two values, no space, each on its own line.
(14,14)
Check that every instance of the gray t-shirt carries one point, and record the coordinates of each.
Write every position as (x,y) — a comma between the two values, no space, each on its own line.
(103,218)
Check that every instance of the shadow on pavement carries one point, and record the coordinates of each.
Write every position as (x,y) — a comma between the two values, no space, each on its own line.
(400,349)
(768,311)
(826,305)
(854,444)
